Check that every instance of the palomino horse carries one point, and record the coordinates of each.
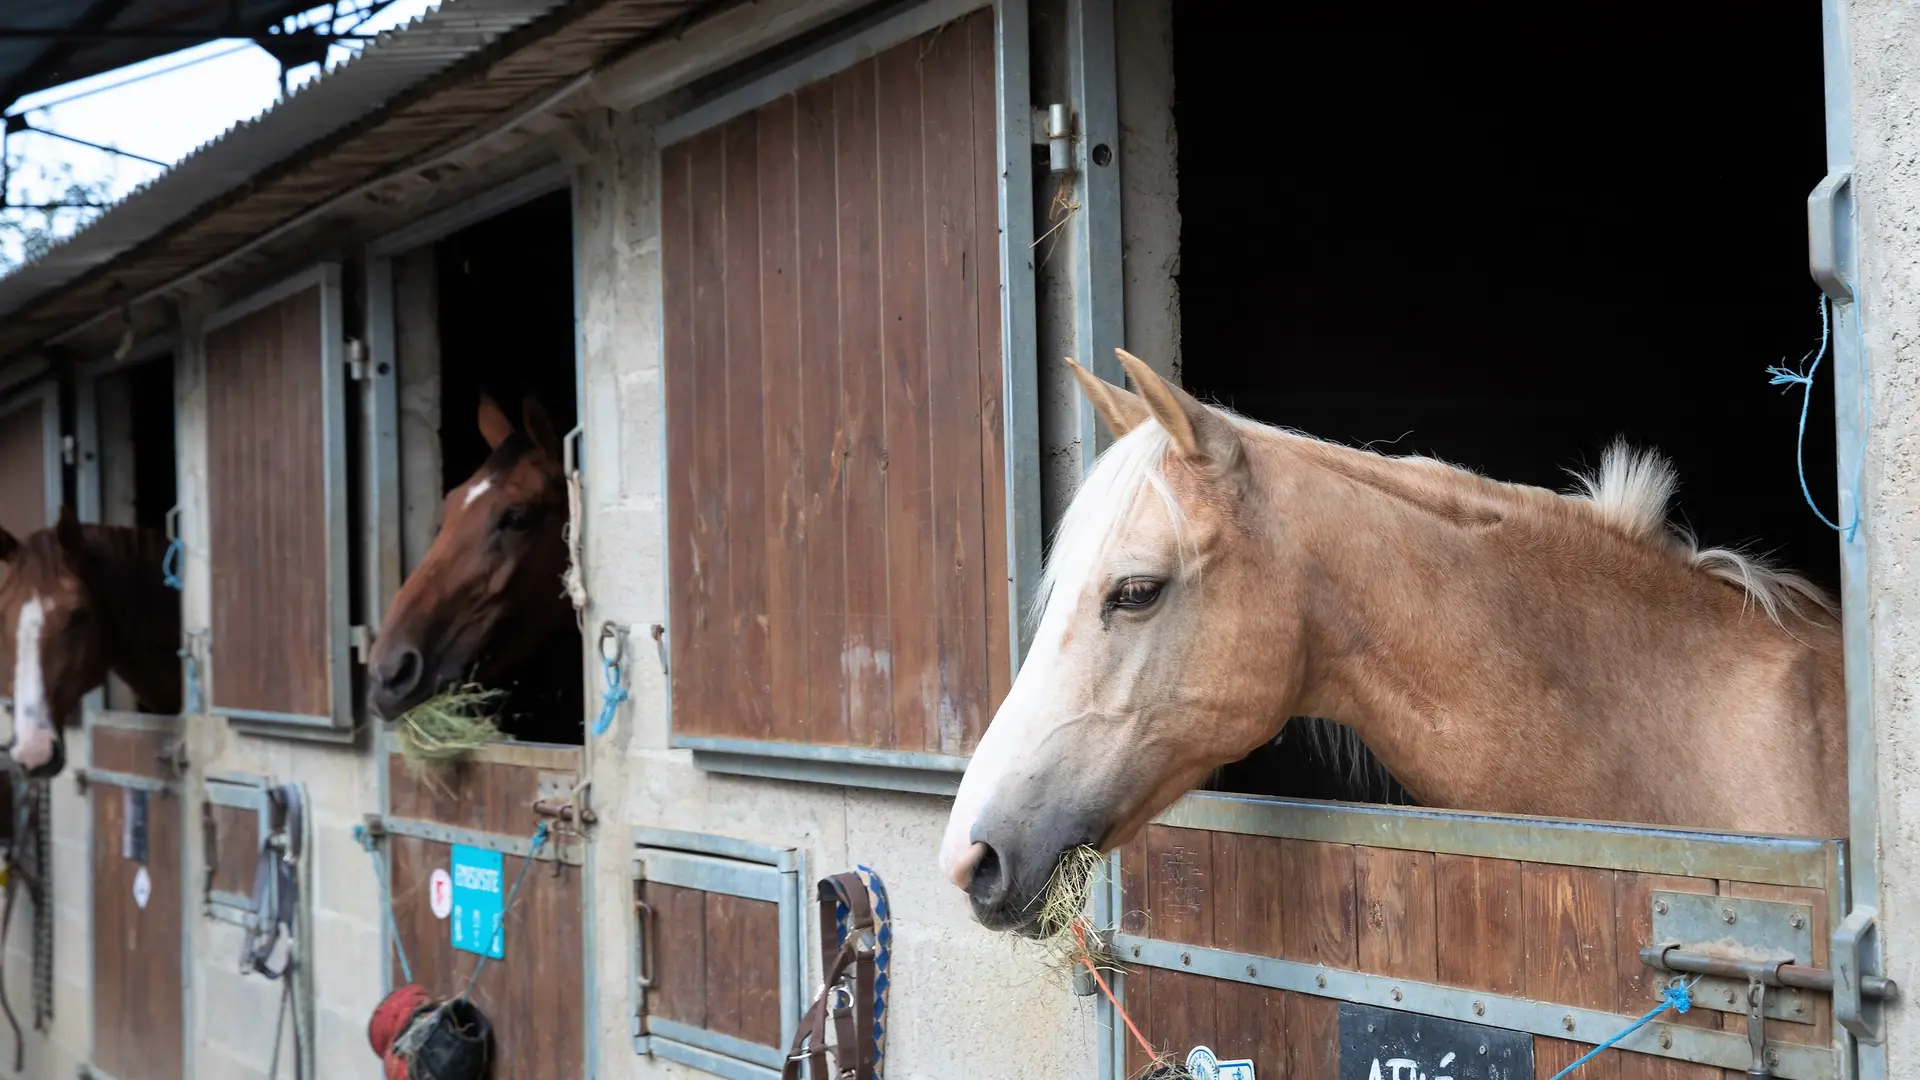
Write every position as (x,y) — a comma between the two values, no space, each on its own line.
(488,600)
(1500,648)
(76,602)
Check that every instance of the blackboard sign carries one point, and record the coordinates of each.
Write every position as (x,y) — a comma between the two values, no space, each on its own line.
(1380,1044)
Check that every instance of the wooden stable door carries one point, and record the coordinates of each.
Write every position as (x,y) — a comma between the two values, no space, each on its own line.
(535,994)
(138,1021)
(1308,937)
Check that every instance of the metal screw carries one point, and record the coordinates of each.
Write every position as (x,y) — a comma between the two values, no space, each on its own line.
(1252,971)
(1659,907)
(1136,952)
(1567,1022)
(1799,1006)
(1396,993)
(1796,920)
(1479,1008)
(1320,981)
(1186,959)
(1483,1048)
(1727,916)
(1666,1040)
(1369,1029)
(1773,1058)
(1732,997)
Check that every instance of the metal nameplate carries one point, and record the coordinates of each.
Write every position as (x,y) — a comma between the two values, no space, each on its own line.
(1381,1044)
(1735,928)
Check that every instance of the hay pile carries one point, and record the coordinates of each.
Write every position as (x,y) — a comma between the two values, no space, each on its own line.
(445,729)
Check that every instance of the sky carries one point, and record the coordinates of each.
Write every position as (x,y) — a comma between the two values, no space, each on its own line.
(196,95)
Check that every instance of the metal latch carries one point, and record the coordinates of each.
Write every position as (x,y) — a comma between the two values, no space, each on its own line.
(361,637)
(356,360)
(557,796)
(1860,994)
(1826,219)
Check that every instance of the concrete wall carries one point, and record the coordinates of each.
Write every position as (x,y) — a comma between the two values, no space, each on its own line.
(1886,140)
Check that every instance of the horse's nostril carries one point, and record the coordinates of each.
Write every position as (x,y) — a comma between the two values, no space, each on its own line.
(988,886)
(404,673)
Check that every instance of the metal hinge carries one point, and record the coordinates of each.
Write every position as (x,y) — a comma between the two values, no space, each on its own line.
(1101,944)
(1059,132)
(67,449)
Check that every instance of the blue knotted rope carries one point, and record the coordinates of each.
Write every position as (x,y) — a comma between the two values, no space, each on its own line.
(365,839)
(1678,997)
(882,957)
(1790,377)
(534,844)
(170,565)
(611,699)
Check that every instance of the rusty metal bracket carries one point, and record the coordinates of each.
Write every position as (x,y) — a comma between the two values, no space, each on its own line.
(1736,934)
(1763,1059)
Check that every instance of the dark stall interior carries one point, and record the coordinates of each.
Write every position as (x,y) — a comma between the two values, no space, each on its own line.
(1504,237)
(506,330)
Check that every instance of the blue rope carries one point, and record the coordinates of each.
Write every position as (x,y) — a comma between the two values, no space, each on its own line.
(1789,377)
(1678,997)
(538,840)
(365,840)
(611,700)
(170,565)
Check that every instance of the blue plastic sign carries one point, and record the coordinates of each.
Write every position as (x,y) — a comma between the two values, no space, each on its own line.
(477,896)
(1202,1064)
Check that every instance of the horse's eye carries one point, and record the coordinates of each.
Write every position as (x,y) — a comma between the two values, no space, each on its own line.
(1135,593)
(515,519)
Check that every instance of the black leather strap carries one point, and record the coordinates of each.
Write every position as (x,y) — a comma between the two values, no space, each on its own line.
(846,995)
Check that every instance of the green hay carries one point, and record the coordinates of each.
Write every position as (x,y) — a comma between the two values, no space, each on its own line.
(445,729)
(1066,934)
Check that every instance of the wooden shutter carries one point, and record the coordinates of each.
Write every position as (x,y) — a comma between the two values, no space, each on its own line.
(834,380)
(276,507)
(29,461)
(720,970)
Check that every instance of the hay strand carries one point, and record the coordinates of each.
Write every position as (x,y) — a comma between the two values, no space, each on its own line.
(446,728)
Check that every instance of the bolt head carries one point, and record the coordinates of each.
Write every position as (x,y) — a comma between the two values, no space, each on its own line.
(1727,916)
(1666,1040)
(1796,920)
(1396,994)
(1136,951)
(1252,971)
(1773,1058)
(1483,1048)
(1659,907)
(1186,959)
(1479,1008)
(1567,1022)
(1320,981)
(1732,997)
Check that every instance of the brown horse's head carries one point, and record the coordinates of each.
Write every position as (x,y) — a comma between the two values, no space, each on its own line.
(489,591)
(58,643)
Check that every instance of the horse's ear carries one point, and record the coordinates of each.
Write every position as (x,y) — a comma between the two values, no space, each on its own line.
(494,425)
(1200,435)
(535,422)
(8,545)
(67,531)
(1121,409)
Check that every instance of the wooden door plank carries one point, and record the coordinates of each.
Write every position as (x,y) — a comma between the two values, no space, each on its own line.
(1477,911)
(865,655)
(1569,919)
(726,947)
(685,592)
(1313,1037)
(1247,890)
(1317,903)
(785,439)
(1180,881)
(1552,1055)
(760,972)
(986,243)
(1183,1012)
(1137,994)
(679,943)
(1398,936)
(1250,1022)
(1135,908)
(711,520)
(748,677)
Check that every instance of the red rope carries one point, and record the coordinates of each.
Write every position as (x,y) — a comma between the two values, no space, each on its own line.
(1086,957)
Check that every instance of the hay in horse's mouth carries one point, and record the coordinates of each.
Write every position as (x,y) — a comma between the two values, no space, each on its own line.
(447,727)
(1061,925)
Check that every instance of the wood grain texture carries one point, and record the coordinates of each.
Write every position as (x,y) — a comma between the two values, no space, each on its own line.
(1570,917)
(1477,911)
(678,941)
(236,833)
(130,750)
(1135,910)
(743,968)
(1317,904)
(1247,874)
(138,1026)
(1395,893)
(866,459)
(23,470)
(1180,884)
(267,514)
(483,795)
(536,993)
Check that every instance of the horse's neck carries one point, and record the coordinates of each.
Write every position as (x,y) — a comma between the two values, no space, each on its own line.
(1502,655)
(140,612)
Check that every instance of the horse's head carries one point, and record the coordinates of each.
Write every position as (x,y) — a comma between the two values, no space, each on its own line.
(1160,653)
(489,591)
(59,647)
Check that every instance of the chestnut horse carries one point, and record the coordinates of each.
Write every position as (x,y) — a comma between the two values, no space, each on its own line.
(487,604)
(76,602)
(1499,647)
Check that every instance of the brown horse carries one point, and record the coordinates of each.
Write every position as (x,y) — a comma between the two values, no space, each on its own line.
(488,599)
(76,602)
(1499,647)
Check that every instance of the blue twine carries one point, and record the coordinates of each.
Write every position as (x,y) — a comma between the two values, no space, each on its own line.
(534,844)
(1678,997)
(610,701)
(170,565)
(1789,377)
(365,839)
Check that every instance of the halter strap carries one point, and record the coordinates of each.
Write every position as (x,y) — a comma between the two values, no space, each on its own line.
(846,994)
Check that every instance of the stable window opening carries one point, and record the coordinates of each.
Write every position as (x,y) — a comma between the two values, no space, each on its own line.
(137,466)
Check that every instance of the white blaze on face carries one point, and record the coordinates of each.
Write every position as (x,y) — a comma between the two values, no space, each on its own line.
(478,489)
(33,735)
(1011,733)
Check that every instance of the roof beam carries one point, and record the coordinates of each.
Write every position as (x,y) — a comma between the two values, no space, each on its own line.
(97,16)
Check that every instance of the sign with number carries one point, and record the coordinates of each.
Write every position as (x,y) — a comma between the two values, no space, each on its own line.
(1204,1066)
(440,892)
(1380,1044)
(477,895)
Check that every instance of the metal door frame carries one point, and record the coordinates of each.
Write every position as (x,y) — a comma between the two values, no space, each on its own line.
(895,770)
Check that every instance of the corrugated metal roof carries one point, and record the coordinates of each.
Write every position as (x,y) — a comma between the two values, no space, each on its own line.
(397,60)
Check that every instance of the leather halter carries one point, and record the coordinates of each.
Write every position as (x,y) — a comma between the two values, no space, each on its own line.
(846,997)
